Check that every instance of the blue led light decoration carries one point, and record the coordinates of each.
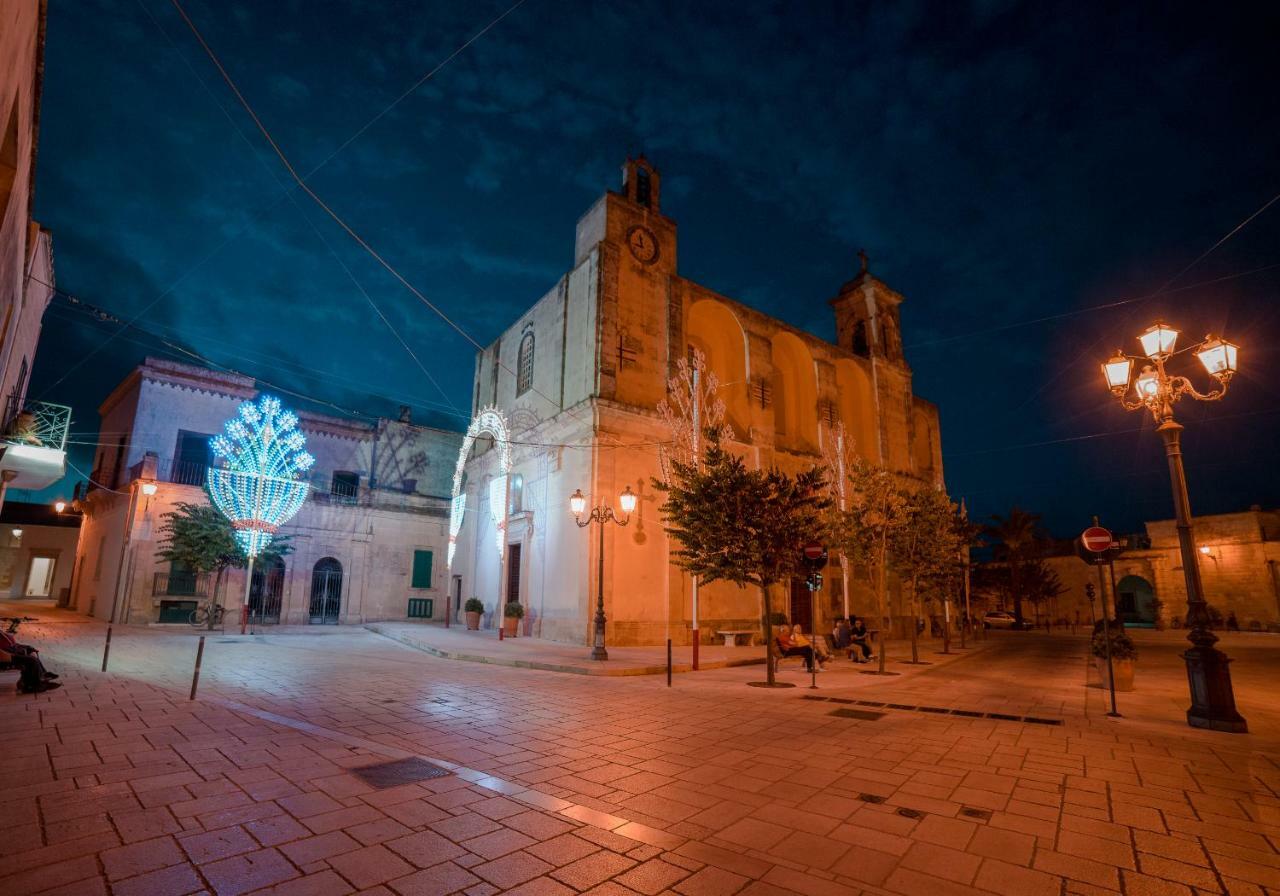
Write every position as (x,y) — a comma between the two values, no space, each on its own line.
(257,486)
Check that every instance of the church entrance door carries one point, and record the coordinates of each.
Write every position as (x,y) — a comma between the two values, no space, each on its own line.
(801,610)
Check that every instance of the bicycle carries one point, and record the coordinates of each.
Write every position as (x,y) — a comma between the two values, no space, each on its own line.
(207,616)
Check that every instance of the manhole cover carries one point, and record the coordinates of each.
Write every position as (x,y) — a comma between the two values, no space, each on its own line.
(856,714)
(870,798)
(971,812)
(937,709)
(1033,720)
(398,771)
(910,813)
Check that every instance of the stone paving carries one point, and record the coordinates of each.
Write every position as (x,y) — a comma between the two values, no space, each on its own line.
(562,784)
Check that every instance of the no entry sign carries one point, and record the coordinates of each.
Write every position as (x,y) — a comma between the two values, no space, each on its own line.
(814,550)
(1096,539)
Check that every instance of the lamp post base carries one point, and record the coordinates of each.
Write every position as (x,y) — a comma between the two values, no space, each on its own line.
(1213,702)
(599,653)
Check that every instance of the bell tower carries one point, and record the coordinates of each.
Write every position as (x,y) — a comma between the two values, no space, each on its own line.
(641,183)
(867,321)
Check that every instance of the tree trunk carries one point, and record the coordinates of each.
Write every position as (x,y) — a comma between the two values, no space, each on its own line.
(915,623)
(884,609)
(767,619)
(1016,593)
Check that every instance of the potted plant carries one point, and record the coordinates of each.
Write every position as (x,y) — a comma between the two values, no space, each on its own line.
(1123,654)
(512,613)
(473,608)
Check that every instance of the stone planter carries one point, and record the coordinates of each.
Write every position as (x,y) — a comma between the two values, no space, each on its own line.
(510,625)
(473,621)
(1124,673)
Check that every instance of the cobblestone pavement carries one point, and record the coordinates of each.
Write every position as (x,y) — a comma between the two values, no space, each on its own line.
(562,784)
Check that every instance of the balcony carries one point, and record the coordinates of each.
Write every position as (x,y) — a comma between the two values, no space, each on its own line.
(33,446)
(181,584)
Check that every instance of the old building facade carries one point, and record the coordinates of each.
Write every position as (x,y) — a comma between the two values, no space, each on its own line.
(1239,556)
(576,381)
(368,544)
(32,435)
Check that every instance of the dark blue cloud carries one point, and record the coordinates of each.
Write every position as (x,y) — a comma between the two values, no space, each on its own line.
(1001,161)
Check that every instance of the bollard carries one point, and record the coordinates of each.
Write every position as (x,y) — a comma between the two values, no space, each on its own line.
(195,676)
(669,662)
(106,651)
(502,629)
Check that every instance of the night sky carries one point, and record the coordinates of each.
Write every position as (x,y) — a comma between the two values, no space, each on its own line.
(1007,167)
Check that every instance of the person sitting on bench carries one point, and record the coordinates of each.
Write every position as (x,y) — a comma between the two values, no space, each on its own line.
(860,640)
(821,652)
(787,647)
(34,677)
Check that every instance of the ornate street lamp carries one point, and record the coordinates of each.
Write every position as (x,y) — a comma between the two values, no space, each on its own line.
(601,515)
(1213,703)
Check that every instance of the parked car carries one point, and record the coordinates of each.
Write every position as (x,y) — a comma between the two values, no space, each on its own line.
(999,619)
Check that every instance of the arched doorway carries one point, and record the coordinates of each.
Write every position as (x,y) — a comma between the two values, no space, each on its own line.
(266,592)
(1135,601)
(326,591)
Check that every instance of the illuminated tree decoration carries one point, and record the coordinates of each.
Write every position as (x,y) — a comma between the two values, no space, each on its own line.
(257,486)
(488,422)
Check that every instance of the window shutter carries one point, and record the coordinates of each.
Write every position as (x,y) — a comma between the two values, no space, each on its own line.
(421,569)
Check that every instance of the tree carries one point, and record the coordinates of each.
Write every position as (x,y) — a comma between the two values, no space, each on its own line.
(738,525)
(200,538)
(1019,540)
(873,510)
(1040,584)
(925,549)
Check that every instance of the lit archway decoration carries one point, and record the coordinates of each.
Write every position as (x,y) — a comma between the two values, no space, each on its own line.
(489,422)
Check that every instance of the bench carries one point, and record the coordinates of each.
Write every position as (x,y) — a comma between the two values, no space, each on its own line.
(731,636)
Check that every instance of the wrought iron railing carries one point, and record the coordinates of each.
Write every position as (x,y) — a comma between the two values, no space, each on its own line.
(186,472)
(181,584)
(38,423)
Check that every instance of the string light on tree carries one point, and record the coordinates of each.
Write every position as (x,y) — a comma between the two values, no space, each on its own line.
(257,485)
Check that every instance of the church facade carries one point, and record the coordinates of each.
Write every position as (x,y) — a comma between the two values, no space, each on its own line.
(571,389)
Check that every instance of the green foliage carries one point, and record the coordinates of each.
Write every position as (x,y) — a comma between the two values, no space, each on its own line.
(473,605)
(200,538)
(738,525)
(1122,647)
(778,618)
(513,610)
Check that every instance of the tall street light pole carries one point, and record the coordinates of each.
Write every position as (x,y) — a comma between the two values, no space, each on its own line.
(601,515)
(1213,703)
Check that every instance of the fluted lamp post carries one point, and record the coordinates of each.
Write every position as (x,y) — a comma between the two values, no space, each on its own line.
(1213,703)
(601,515)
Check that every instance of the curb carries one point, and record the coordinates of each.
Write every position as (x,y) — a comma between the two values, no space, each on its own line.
(599,671)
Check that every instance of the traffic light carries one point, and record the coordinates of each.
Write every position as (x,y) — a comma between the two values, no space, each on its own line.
(1089,591)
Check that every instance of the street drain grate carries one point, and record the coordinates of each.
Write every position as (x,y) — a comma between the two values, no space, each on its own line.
(909,813)
(856,714)
(970,812)
(934,710)
(870,798)
(398,771)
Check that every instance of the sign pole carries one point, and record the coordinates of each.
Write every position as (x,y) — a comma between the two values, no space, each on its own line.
(697,424)
(1096,545)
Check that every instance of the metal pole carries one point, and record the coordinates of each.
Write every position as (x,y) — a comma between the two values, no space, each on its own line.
(668,662)
(598,651)
(1106,639)
(1213,702)
(195,676)
(248,584)
(697,424)
(813,634)
(106,651)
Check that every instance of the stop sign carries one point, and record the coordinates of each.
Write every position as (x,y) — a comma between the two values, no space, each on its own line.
(1096,539)
(814,550)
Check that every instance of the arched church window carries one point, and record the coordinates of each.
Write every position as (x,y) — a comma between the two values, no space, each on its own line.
(524,365)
